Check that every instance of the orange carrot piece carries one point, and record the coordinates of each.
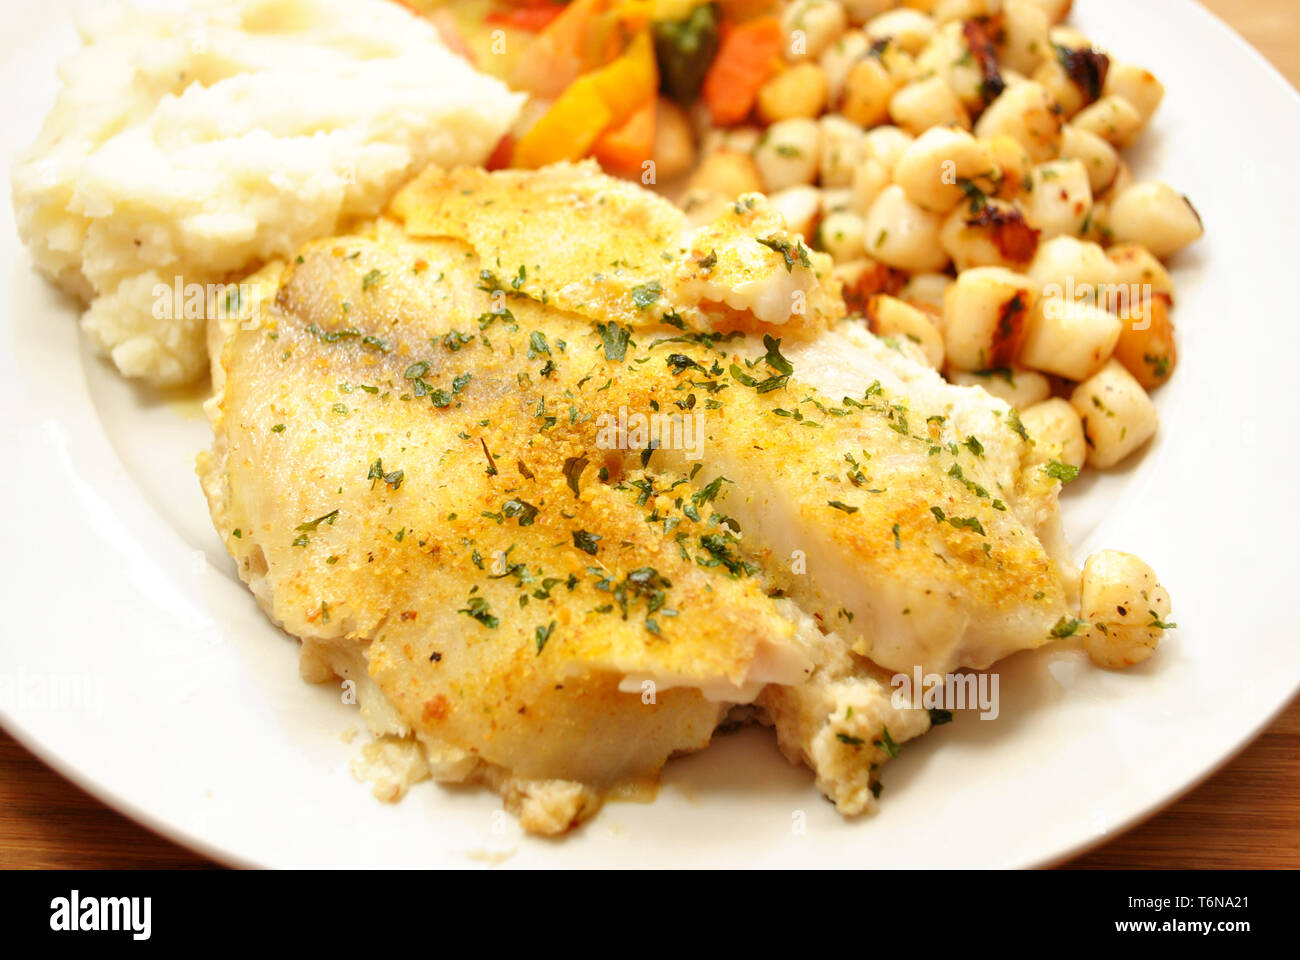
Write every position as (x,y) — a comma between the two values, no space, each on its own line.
(500,158)
(533,19)
(624,148)
(747,57)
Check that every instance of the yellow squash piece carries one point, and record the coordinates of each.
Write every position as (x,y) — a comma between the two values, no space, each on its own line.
(592,103)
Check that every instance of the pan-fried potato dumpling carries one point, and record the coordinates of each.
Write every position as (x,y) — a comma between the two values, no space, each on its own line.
(1057,431)
(927,103)
(1069,337)
(984,314)
(1137,86)
(1124,609)
(789,153)
(1024,41)
(1146,346)
(1059,199)
(1056,10)
(1118,416)
(1014,164)
(869,179)
(727,174)
(891,317)
(799,206)
(1136,266)
(841,235)
(1156,216)
(945,11)
(843,148)
(1098,157)
(869,85)
(886,144)
(912,29)
(989,233)
(902,234)
(933,168)
(815,24)
(1067,266)
(1113,119)
(1027,114)
(926,290)
(948,55)
(836,60)
(796,91)
(1019,387)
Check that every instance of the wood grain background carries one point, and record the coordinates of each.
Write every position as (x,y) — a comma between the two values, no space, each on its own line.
(1247,815)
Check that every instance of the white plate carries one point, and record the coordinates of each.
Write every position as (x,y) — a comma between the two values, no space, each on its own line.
(137,664)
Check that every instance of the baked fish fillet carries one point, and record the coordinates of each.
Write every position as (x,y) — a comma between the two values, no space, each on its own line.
(529,465)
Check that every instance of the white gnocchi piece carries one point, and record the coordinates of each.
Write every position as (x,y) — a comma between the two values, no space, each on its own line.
(810,27)
(799,206)
(1026,113)
(945,11)
(928,103)
(886,144)
(869,179)
(1077,269)
(789,154)
(1156,216)
(988,233)
(871,82)
(1051,76)
(984,316)
(843,147)
(903,235)
(1057,431)
(1097,156)
(1056,10)
(1019,387)
(1024,42)
(1060,198)
(1113,119)
(860,11)
(912,29)
(1118,416)
(949,57)
(838,57)
(892,317)
(933,169)
(926,290)
(1125,609)
(837,198)
(1136,266)
(1068,337)
(840,235)
(1135,85)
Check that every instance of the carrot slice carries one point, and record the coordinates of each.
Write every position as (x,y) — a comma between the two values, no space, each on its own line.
(500,158)
(624,148)
(594,102)
(533,19)
(747,57)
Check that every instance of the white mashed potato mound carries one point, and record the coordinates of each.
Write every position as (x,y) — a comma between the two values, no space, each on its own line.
(196,145)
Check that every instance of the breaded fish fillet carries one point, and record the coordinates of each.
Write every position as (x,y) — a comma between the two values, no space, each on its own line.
(556,482)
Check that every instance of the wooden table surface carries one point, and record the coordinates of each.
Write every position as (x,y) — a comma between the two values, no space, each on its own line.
(1247,815)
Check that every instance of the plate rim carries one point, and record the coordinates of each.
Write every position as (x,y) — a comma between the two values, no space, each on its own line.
(31,739)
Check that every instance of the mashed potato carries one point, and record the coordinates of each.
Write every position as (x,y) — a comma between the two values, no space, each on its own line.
(184,149)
